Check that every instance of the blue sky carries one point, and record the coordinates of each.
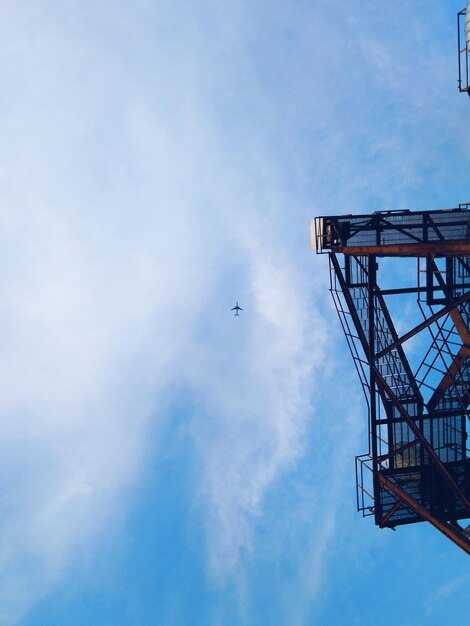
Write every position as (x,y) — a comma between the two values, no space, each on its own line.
(163,463)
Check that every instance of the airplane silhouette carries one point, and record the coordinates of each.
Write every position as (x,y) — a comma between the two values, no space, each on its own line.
(237,308)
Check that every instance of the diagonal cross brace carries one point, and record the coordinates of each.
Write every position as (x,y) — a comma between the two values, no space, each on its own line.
(461,327)
(449,377)
(392,512)
(449,531)
(422,439)
(450,308)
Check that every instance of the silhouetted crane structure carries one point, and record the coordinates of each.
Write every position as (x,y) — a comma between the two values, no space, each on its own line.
(463,34)
(418,464)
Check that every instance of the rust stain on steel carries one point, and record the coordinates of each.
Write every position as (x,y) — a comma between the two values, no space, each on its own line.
(392,512)
(414,331)
(422,439)
(434,248)
(449,377)
(453,534)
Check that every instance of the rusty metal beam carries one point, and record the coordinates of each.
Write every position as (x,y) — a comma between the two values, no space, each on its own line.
(417,329)
(449,531)
(422,439)
(460,326)
(448,378)
(454,313)
(392,512)
(434,248)
(464,351)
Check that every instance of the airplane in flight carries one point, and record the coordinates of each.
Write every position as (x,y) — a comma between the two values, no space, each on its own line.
(237,308)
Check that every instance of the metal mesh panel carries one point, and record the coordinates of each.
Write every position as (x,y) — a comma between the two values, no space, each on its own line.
(392,228)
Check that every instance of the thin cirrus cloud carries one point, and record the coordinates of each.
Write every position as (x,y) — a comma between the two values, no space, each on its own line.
(102,262)
(114,222)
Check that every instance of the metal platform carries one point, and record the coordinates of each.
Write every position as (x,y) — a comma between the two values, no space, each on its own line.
(417,467)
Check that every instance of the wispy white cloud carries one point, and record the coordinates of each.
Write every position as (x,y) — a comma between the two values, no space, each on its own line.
(443,593)
(104,269)
(254,398)
(157,164)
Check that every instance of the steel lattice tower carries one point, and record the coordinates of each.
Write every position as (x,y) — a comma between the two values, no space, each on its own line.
(418,407)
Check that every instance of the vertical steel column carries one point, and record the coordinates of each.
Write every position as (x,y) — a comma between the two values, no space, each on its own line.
(371,285)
